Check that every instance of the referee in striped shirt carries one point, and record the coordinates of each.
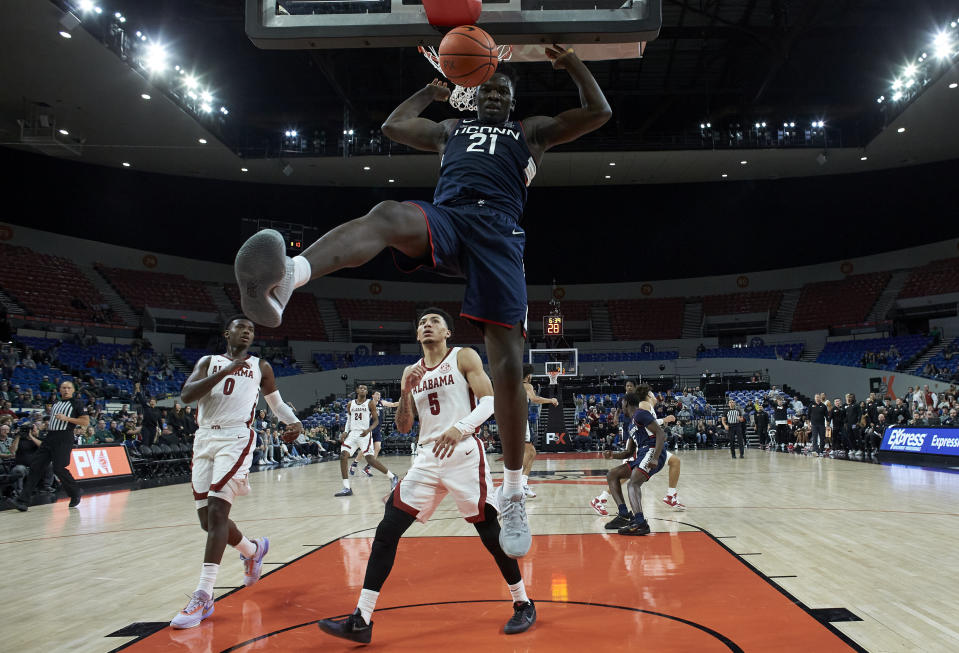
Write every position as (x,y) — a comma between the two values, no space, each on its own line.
(66,414)
(733,421)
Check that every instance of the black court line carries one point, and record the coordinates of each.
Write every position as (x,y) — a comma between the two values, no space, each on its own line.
(140,629)
(732,646)
(725,537)
(742,554)
(810,611)
(835,614)
(227,587)
(782,576)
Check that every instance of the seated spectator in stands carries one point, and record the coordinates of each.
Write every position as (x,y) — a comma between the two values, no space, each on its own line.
(581,440)
(674,435)
(951,418)
(6,442)
(931,418)
(7,410)
(578,402)
(103,433)
(168,437)
(712,435)
(25,445)
(305,446)
(700,433)
(89,436)
(591,402)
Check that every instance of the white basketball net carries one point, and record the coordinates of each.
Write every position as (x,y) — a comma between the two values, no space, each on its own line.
(553,377)
(462,99)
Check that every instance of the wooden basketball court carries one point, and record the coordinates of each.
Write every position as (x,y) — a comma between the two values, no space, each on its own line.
(776,552)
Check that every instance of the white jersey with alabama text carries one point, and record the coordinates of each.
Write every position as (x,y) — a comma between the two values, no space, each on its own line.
(232,401)
(359,415)
(442,398)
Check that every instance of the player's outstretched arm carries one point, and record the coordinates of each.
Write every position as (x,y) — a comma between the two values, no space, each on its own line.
(407,127)
(536,399)
(200,384)
(273,399)
(594,111)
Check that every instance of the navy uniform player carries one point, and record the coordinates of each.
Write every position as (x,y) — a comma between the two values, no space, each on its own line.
(529,454)
(471,230)
(452,395)
(648,440)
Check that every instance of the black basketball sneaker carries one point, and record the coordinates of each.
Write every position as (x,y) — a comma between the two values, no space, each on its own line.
(351,627)
(618,522)
(524,616)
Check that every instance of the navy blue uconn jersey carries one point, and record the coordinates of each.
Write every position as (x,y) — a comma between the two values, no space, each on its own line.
(638,431)
(489,162)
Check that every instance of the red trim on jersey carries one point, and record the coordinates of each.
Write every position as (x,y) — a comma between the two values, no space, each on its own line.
(216,487)
(429,231)
(398,503)
(249,422)
(197,496)
(430,369)
(481,504)
(485,321)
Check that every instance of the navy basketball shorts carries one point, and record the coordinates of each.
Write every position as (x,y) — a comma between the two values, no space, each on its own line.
(377,435)
(484,246)
(642,460)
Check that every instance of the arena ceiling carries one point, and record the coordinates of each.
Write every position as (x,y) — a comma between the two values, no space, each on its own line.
(714,59)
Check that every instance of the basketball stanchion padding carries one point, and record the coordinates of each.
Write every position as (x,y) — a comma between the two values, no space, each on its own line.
(450,13)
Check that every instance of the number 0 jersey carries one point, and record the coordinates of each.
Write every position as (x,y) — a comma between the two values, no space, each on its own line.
(232,401)
(489,162)
(442,397)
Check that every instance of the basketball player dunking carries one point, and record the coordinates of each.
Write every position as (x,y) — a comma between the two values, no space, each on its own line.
(452,395)
(362,417)
(621,473)
(227,388)
(471,230)
(529,454)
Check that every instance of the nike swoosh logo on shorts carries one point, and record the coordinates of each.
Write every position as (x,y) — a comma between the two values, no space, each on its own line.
(468,452)
(518,233)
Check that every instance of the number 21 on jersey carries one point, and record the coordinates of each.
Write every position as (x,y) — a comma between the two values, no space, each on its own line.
(479,140)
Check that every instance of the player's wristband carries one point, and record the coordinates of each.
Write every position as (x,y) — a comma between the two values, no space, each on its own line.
(482,412)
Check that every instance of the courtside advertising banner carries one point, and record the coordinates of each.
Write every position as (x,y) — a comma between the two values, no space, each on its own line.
(88,463)
(921,439)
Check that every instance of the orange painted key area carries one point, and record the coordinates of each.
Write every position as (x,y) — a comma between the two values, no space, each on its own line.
(663,592)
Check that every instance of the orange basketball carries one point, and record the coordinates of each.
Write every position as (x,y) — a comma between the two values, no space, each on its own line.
(468,56)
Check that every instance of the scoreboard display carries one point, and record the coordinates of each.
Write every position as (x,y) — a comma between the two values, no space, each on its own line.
(552,325)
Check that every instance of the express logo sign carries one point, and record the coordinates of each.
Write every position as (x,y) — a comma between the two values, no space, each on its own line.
(905,440)
(942,441)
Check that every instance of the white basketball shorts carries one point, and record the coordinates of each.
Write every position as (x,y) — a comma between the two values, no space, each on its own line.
(221,463)
(464,474)
(354,442)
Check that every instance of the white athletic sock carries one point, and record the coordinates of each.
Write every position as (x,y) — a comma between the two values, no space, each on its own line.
(302,271)
(346,483)
(390,475)
(518,592)
(246,548)
(367,604)
(525,480)
(207,578)
(512,482)
(671,492)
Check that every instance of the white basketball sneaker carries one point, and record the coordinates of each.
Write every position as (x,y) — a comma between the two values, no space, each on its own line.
(199,608)
(253,567)
(514,537)
(599,505)
(265,275)
(528,492)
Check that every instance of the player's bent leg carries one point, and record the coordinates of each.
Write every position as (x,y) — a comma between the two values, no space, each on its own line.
(267,276)
(638,524)
(614,479)
(672,498)
(524,612)
(358,627)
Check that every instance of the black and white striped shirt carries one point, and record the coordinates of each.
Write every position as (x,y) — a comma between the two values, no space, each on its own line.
(71,408)
(733,416)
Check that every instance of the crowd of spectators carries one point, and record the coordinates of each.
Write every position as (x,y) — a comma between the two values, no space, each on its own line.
(881,359)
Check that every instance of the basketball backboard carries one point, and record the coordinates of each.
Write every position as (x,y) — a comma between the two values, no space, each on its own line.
(325,24)
(545,360)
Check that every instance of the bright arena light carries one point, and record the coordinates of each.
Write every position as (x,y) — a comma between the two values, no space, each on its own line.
(942,45)
(863,158)
(901,130)
(206,108)
(953,85)
(86,5)
(244,170)
(156,57)
(896,84)
(366,167)
(190,82)
(743,162)
(64,132)
(145,96)
(65,35)
(126,165)
(201,141)
(896,96)
(206,96)
(909,70)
